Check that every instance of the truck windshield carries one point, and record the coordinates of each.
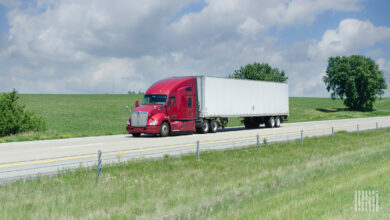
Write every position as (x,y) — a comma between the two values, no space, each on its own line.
(154,99)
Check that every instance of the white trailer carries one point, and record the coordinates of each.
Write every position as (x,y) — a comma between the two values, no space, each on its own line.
(256,101)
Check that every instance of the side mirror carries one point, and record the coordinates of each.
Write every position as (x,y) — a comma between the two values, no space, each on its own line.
(136,103)
(172,103)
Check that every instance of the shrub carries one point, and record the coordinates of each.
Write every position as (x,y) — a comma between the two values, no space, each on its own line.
(13,117)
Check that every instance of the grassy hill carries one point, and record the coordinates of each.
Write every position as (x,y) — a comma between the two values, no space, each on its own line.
(283,181)
(90,115)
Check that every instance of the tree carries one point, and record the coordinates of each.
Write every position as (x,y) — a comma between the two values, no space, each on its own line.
(357,78)
(14,119)
(259,71)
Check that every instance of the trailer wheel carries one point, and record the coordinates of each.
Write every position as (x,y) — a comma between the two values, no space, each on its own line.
(164,129)
(136,134)
(205,126)
(277,122)
(270,123)
(213,126)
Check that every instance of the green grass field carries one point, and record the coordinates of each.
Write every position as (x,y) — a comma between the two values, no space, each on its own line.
(284,181)
(91,115)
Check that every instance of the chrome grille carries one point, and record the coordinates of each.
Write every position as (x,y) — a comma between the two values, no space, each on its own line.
(139,119)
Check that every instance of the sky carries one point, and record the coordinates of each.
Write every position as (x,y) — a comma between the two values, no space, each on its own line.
(84,47)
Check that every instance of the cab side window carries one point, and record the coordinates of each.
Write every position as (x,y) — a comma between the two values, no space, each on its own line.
(189,102)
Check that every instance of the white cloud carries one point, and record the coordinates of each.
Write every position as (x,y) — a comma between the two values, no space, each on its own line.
(250,26)
(351,36)
(115,46)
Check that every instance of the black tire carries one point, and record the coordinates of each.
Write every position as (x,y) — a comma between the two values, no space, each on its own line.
(136,134)
(164,129)
(277,122)
(270,123)
(251,122)
(213,126)
(205,127)
(248,123)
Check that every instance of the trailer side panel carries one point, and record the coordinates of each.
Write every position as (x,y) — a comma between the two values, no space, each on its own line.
(222,97)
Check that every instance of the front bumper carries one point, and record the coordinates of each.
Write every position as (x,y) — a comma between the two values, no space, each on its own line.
(149,129)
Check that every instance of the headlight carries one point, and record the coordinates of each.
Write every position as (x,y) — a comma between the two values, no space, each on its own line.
(155,122)
(128,122)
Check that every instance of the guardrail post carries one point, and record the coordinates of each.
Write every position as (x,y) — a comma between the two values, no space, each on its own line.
(377,126)
(197,150)
(332,133)
(301,137)
(99,166)
(357,129)
(258,143)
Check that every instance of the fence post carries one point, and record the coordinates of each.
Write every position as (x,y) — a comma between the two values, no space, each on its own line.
(357,129)
(301,137)
(99,165)
(332,133)
(377,126)
(197,150)
(258,142)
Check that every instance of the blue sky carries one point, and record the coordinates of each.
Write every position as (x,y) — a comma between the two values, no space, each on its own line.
(70,46)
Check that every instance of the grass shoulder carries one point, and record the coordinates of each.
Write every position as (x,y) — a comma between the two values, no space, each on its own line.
(283,180)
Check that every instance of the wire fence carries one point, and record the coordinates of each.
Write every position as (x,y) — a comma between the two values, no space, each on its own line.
(23,170)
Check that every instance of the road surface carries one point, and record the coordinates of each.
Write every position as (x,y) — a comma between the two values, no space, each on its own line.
(28,159)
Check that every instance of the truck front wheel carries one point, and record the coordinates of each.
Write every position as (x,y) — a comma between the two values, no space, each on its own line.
(164,129)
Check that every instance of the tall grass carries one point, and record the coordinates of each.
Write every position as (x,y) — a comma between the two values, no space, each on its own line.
(282,181)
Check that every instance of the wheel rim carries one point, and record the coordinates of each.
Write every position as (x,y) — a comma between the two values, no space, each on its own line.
(214,126)
(277,122)
(164,129)
(205,127)
(272,122)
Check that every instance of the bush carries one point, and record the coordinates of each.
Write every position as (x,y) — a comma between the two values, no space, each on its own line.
(14,119)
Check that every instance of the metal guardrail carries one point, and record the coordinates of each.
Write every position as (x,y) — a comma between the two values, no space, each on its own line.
(53,166)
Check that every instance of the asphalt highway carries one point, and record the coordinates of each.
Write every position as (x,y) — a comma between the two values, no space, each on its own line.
(20,160)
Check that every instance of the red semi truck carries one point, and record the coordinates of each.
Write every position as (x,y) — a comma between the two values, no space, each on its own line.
(203,104)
